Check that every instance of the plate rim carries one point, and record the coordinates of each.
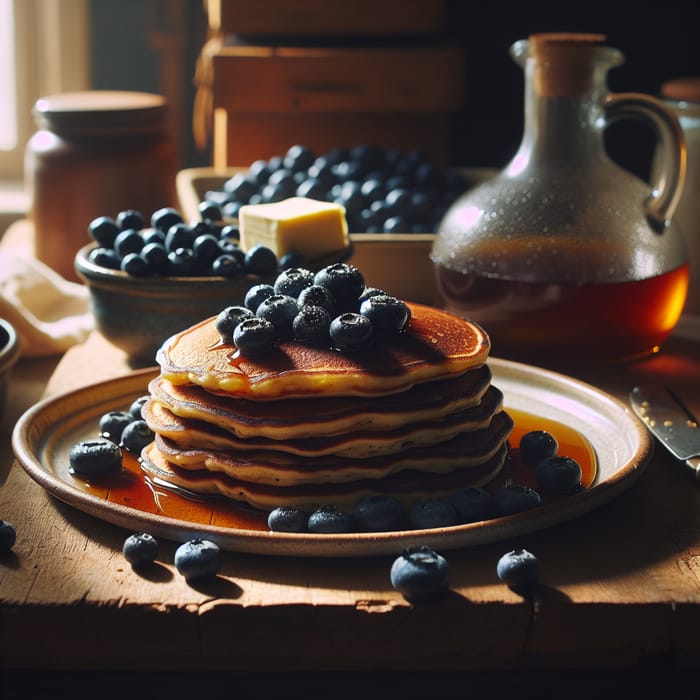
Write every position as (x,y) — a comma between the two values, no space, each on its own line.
(24,445)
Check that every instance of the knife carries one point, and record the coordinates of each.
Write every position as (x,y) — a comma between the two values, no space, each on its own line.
(675,429)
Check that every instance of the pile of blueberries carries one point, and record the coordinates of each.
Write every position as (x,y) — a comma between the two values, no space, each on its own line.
(382,190)
(330,307)
(171,247)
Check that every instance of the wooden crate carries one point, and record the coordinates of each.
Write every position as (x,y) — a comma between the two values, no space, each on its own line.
(330,17)
(268,98)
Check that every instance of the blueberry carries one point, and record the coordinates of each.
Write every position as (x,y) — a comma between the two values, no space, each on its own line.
(242,186)
(198,559)
(311,324)
(420,574)
(112,425)
(387,314)
(292,281)
(181,262)
(226,266)
(178,236)
(209,211)
(128,241)
(136,406)
(291,259)
(368,293)
(230,232)
(431,513)
(287,519)
(162,219)
(95,457)
(558,475)
(140,549)
(228,319)
(256,295)
(280,310)
(103,230)
(156,256)
(8,536)
(343,281)
(380,513)
(206,248)
(136,436)
(536,446)
(315,295)
(473,504)
(254,336)
(330,520)
(351,331)
(299,157)
(395,224)
(260,260)
(312,188)
(518,568)
(105,257)
(130,218)
(515,498)
(135,265)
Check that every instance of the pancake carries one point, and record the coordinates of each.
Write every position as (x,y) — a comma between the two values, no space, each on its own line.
(359,443)
(284,420)
(434,345)
(408,485)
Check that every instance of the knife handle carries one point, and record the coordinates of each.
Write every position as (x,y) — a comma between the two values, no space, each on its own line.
(693,467)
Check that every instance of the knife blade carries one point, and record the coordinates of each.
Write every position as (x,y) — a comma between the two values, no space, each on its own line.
(678,432)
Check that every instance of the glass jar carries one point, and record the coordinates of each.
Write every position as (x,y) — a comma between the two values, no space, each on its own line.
(95,153)
(564,255)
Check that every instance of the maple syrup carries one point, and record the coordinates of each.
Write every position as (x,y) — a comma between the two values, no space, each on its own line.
(576,323)
(134,489)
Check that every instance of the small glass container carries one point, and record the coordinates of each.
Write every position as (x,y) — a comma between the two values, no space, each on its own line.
(95,153)
(564,256)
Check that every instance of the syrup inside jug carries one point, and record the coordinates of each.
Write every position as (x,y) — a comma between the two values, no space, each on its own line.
(565,255)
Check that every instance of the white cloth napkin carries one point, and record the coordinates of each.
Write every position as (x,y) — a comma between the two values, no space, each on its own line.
(49,313)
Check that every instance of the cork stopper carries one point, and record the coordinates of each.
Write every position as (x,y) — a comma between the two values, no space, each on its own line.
(563,62)
(682,89)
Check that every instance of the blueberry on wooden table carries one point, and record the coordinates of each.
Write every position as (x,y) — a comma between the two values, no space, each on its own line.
(518,568)
(198,559)
(140,549)
(420,574)
(8,536)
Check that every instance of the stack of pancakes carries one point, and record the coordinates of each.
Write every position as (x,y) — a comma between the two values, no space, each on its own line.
(415,416)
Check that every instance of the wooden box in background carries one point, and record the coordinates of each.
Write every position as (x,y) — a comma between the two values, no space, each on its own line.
(266,99)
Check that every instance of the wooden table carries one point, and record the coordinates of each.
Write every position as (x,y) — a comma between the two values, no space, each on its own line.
(619,601)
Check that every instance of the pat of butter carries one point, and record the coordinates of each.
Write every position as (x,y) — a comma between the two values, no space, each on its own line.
(295,225)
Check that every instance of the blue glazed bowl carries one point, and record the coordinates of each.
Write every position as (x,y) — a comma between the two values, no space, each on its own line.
(137,314)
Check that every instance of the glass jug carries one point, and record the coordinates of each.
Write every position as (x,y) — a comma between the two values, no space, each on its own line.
(565,256)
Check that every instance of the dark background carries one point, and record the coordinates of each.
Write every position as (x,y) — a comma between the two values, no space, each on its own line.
(659,41)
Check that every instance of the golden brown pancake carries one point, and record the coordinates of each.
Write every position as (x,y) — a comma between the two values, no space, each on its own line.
(434,345)
(284,420)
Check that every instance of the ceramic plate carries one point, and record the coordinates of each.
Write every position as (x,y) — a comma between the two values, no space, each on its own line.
(45,433)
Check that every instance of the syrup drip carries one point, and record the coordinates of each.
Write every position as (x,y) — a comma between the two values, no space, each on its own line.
(136,490)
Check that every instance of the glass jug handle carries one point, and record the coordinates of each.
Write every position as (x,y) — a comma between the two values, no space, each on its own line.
(666,190)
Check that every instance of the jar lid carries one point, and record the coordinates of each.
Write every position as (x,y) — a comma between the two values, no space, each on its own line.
(98,112)
(682,89)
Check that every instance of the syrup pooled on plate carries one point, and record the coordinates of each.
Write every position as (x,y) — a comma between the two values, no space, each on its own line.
(134,489)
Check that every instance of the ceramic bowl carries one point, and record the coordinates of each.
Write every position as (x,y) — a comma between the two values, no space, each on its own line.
(9,354)
(138,313)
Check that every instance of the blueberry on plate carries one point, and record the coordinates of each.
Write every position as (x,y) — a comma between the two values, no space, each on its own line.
(112,424)
(558,475)
(515,498)
(518,568)
(420,574)
(473,504)
(330,520)
(280,310)
(140,549)
(287,519)
(136,406)
(344,281)
(198,559)
(380,513)
(136,436)
(432,512)
(387,314)
(536,446)
(95,457)
(8,536)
